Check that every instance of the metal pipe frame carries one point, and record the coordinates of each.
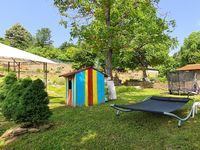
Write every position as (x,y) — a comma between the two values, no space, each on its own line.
(120,109)
(180,120)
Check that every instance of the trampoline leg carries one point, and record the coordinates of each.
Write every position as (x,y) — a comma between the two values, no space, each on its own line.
(179,123)
(119,110)
(117,113)
(180,120)
(194,110)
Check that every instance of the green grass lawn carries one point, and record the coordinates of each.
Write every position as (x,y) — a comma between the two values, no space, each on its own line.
(97,127)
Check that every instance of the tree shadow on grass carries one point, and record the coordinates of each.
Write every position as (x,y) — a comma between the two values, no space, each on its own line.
(54,97)
(56,102)
(143,119)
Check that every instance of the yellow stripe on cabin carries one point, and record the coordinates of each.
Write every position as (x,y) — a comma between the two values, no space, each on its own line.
(94,77)
(86,88)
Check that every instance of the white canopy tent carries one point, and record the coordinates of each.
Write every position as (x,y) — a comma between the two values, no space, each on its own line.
(13,55)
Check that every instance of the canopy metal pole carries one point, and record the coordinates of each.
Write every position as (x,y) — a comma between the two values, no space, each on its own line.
(45,73)
(8,66)
(14,66)
(19,65)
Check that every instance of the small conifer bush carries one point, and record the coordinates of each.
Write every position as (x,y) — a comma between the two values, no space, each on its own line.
(7,84)
(10,107)
(33,106)
(27,102)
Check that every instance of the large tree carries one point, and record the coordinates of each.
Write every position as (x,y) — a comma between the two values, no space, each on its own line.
(18,36)
(111,26)
(66,45)
(169,64)
(43,37)
(152,49)
(190,51)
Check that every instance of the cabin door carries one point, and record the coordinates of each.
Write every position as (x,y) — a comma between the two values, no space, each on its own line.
(70,92)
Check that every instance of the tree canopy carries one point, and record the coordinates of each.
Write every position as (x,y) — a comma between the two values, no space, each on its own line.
(18,36)
(66,45)
(43,37)
(119,28)
(47,51)
(190,51)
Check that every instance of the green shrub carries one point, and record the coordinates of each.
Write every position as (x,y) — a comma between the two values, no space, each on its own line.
(123,89)
(34,102)
(27,102)
(162,79)
(153,79)
(38,70)
(10,108)
(3,69)
(7,84)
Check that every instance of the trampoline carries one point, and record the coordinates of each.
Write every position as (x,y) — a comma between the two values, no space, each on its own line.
(156,104)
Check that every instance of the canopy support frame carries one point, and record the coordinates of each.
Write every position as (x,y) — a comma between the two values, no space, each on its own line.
(45,73)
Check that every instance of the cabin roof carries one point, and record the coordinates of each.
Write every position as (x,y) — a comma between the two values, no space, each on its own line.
(80,70)
(189,67)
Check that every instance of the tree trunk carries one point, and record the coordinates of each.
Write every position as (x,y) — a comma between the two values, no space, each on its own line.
(109,63)
(144,74)
(108,67)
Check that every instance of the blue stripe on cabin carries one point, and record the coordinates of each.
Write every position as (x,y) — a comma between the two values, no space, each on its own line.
(67,91)
(100,87)
(80,88)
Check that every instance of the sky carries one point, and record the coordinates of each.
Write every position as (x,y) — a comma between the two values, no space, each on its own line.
(186,13)
(35,14)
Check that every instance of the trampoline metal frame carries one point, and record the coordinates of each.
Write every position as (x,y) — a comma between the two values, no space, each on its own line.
(180,120)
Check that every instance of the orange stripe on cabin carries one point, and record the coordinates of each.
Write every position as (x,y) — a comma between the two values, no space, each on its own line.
(86,87)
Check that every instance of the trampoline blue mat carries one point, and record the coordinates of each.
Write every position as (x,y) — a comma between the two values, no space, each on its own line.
(157,104)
